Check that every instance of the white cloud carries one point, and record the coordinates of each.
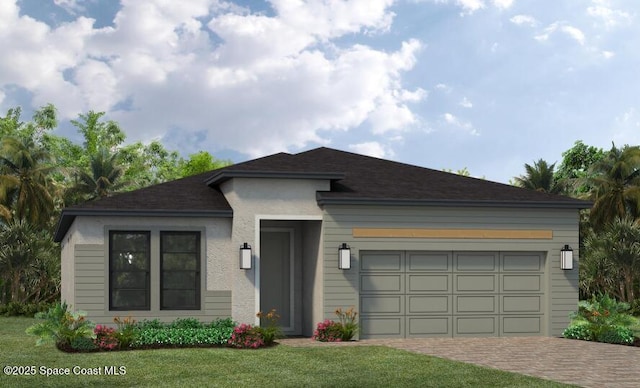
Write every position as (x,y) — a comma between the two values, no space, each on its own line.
(574,32)
(465,103)
(503,4)
(471,6)
(372,148)
(71,6)
(444,87)
(454,121)
(524,20)
(217,73)
(608,54)
(468,6)
(601,10)
(332,19)
(571,31)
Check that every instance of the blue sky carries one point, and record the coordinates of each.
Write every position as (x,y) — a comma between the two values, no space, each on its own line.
(484,84)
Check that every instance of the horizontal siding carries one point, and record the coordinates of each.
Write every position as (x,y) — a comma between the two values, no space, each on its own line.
(91,294)
(89,279)
(341,287)
(217,304)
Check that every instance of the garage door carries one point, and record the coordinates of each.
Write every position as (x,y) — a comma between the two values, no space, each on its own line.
(451,294)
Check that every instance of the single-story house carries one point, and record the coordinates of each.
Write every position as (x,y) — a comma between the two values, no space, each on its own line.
(417,252)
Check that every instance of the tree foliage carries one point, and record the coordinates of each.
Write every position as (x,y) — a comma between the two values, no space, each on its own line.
(615,186)
(609,231)
(26,189)
(29,263)
(41,172)
(540,177)
(575,168)
(103,179)
(611,260)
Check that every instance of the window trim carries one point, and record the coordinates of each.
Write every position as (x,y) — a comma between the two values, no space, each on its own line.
(147,306)
(197,271)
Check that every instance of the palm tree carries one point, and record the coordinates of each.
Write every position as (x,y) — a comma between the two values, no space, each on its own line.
(25,184)
(29,263)
(615,182)
(611,263)
(104,178)
(539,177)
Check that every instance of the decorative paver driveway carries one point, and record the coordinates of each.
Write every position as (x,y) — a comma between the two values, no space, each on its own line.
(588,364)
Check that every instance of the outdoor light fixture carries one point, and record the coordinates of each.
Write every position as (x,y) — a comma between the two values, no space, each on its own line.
(566,257)
(245,256)
(344,257)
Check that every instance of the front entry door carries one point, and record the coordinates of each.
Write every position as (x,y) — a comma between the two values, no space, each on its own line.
(276,271)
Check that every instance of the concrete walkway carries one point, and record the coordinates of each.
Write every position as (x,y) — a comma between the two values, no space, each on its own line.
(588,364)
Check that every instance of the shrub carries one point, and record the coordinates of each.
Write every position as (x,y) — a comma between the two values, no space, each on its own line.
(578,331)
(85,344)
(150,324)
(269,329)
(617,335)
(186,332)
(635,307)
(106,337)
(245,337)
(126,332)
(186,323)
(328,331)
(602,319)
(61,326)
(15,309)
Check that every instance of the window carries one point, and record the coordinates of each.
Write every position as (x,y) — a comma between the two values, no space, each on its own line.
(129,281)
(179,271)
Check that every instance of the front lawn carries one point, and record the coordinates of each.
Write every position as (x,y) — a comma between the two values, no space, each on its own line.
(351,366)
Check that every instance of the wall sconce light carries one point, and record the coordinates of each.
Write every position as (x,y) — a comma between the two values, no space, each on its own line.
(245,256)
(566,257)
(344,257)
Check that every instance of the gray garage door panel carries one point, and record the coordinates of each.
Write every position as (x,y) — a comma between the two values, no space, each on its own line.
(382,283)
(476,283)
(521,325)
(391,261)
(391,327)
(521,283)
(465,304)
(432,262)
(475,326)
(389,304)
(476,261)
(429,326)
(520,262)
(521,304)
(429,283)
(431,294)
(429,304)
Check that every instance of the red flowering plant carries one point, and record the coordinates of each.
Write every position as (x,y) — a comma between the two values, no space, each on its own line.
(331,331)
(328,331)
(245,336)
(105,337)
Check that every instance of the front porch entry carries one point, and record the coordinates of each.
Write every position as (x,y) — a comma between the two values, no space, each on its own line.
(289,271)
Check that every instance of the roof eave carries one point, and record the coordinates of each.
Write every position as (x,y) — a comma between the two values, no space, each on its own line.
(577,204)
(225,175)
(69,215)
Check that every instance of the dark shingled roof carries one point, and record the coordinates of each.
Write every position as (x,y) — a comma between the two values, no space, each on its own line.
(355,179)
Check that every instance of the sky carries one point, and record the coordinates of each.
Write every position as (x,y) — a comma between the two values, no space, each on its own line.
(487,85)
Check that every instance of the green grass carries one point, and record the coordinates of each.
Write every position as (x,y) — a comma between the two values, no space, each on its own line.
(281,366)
